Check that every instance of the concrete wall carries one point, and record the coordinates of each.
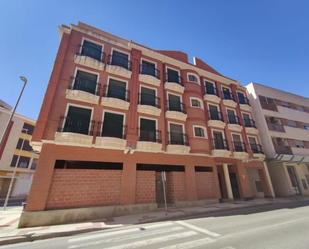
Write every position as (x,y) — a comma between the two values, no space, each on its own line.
(22,185)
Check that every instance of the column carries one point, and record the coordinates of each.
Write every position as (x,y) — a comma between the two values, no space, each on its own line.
(128,183)
(191,190)
(227,181)
(268,181)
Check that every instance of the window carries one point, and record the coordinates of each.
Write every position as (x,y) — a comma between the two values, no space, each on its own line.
(148,96)
(299,144)
(196,102)
(291,123)
(232,117)
(214,114)
(92,50)
(306,126)
(226,93)
(28,128)
(25,143)
(253,145)
(192,78)
(247,120)
(176,134)
(174,103)
(199,131)
(23,162)
(77,120)
(113,125)
(14,160)
(285,104)
(117,89)
(238,146)
(219,142)
(148,130)
(120,59)
(242,98)
(173,76)
(300,108)
(210,88)
(34,164)
(148,68)
(86,82)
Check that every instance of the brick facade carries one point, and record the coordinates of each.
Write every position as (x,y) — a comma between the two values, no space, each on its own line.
(145,186)
(176,187)
(205,184)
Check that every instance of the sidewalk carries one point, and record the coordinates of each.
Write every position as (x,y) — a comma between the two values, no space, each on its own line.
(9,233)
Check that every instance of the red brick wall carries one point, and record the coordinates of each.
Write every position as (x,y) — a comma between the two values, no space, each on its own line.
(145,186)
(176,186)
(205,184)
(83,187)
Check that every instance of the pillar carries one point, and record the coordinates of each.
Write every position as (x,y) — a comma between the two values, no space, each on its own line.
(128,183)
(270,190)
(190,179)
(227,181)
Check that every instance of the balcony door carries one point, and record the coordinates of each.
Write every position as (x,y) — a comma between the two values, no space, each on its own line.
(86,82)
(232,117)
(218,140)
(237,142)
(247,120)
(148,68)
(120,59)
(92,50)
(174,103)
(147,130)
(77,120)
(176,134)
(148,96)
(113,125)
(213,112)
(226,93)
(210,88)
(172,75)
(116,89)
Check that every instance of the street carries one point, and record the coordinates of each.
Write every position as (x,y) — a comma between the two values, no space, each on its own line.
(285,228)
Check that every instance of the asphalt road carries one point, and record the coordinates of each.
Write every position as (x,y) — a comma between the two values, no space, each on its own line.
(253,228)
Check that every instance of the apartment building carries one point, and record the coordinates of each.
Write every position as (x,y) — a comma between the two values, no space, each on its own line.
(16,152)
(122,124)
(283,121)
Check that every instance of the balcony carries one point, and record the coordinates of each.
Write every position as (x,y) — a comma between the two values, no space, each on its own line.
(176,110)
(149,104)
(216,120)
(116,97)
(234,123)
(174,84)
(244,104)
(90,59)
(119,66)
(283,149)
(149,75)
(74,132)
(220,148)
(275,127)
(83,90)
(178,143)
(269,106)
(114,138)
(239,150)
(149,141)
(229,100)
(250,126)
(211,94)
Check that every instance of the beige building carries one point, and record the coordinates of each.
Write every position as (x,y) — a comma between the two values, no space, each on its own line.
(16,151)
(283,121)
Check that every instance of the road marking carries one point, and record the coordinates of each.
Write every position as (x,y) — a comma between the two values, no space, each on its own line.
(119,232)
(198,229)
(148,242)
(138,235)
(190,244)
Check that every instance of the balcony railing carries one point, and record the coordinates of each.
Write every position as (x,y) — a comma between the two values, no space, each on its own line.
(275,127)
(177,138)
(215,115)
(85,85)
(149,99)
(92,53)
(116,92)
(269,106)
(176,106)
(211,91)
(220,144)
(149,70)
(250,123)
(150,136)
(239,146)
(228,96)
(75,125)
(256,148)
(283,149)
(176,79)
(233,119)
(113,131)
(120,61)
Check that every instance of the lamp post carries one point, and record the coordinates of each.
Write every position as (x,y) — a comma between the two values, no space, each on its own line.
(24,80)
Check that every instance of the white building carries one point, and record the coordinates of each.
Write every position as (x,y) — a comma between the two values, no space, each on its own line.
(283,121)
(16,151)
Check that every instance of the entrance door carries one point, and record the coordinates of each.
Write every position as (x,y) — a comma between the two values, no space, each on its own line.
(159,190)
(234,185)
(293,178)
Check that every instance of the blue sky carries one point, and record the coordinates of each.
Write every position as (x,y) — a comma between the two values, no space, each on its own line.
(261,41)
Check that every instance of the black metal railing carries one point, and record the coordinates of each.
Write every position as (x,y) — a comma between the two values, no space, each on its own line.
(176,106)
(86,85)
(117,131)
(249,123)
(213,115)
(93,53)
(233,119)
(239,146)
(256,148)
(243,100)
(149,99)
(178,138)
(150,135)
(228,95)
(116,92)
(149,70)
(211,91)
(220,144)
(120,61)
(76,125)
(174,78)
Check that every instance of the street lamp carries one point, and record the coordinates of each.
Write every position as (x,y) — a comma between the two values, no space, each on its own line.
(24,80)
